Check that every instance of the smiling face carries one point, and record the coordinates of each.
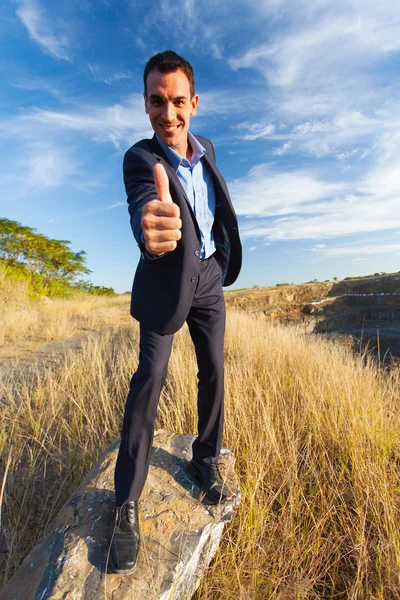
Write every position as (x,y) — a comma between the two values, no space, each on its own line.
(170,105)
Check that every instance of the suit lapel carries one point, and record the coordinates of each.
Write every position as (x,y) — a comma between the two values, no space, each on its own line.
(221,189)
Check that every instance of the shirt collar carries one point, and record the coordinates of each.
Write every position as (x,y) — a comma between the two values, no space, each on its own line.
(175,159)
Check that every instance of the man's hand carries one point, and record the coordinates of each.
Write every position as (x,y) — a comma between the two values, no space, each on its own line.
(160,218)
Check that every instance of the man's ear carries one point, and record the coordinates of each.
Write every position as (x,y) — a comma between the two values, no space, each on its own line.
(194,102)
(146,103)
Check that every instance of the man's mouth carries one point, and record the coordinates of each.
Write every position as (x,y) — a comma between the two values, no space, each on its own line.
(169,128)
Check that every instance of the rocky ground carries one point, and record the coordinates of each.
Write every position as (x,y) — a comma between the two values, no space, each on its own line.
(180,533)
(364,312)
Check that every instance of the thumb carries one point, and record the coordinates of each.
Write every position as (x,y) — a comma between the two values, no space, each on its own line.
(162,183)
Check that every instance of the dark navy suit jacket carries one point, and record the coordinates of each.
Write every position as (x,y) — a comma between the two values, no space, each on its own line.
(163,288)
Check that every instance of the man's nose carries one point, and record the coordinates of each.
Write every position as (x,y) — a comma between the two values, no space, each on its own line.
(169,112)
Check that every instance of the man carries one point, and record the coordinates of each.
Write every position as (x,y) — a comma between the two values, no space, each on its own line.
(186,228)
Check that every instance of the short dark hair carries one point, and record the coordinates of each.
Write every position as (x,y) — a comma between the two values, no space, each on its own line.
(169,62)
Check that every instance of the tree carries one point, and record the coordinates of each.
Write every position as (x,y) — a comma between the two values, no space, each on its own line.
(38,253)
(86,286)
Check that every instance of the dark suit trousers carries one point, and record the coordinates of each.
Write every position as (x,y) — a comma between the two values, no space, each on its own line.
(206,322)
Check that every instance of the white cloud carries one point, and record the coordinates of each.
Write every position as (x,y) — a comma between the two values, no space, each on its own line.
(324,74)
(216,51)
(299,205)
(46,165)
(330,224)
(115,205)
(140,42)
(343,136)
(119,76)
(283,149)
(37,84)
(98,73)
(49,166)
(252,248)
(118,124)
(221,102)
(348,154)
(312,127)
(362,250)
(312,53)
(41,31)
(55,144)
(266,192)
(256,130)
(192,28)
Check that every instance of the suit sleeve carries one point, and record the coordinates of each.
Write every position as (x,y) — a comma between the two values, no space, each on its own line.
(139,186)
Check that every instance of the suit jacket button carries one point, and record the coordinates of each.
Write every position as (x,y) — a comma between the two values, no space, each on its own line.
(196,253)
(193,279)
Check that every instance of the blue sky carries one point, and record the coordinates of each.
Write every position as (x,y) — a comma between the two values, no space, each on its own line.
(301,100)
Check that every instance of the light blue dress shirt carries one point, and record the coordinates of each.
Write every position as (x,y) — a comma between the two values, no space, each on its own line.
(197,182)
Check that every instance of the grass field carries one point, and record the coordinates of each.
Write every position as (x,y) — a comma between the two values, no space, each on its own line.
(316,433)
(27,325)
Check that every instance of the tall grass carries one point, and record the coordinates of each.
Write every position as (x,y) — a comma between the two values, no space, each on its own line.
(25,317)
(60,319)
(315,431)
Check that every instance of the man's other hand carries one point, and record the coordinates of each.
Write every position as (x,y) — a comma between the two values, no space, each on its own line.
(160,222)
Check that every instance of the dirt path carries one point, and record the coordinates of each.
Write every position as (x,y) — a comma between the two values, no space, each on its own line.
(17,358)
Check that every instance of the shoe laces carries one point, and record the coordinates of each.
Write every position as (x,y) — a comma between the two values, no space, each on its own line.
(213,464)
(215,469)
(127,511)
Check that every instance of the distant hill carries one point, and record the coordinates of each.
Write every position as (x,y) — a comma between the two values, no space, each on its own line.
(363,311)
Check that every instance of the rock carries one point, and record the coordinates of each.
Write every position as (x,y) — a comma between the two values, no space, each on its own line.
(180,534)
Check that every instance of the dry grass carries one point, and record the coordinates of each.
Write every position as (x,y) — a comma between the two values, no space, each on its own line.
(315,430)
(47,320)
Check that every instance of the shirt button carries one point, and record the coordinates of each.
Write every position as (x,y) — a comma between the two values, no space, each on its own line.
(193,279)
(196,253)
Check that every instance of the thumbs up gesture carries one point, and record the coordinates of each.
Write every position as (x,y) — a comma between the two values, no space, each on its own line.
(160,222)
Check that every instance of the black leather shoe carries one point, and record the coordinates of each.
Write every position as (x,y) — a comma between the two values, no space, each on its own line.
(211,483)
(125,539)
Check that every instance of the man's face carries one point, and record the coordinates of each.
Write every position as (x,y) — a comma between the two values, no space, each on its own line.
(169,105)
